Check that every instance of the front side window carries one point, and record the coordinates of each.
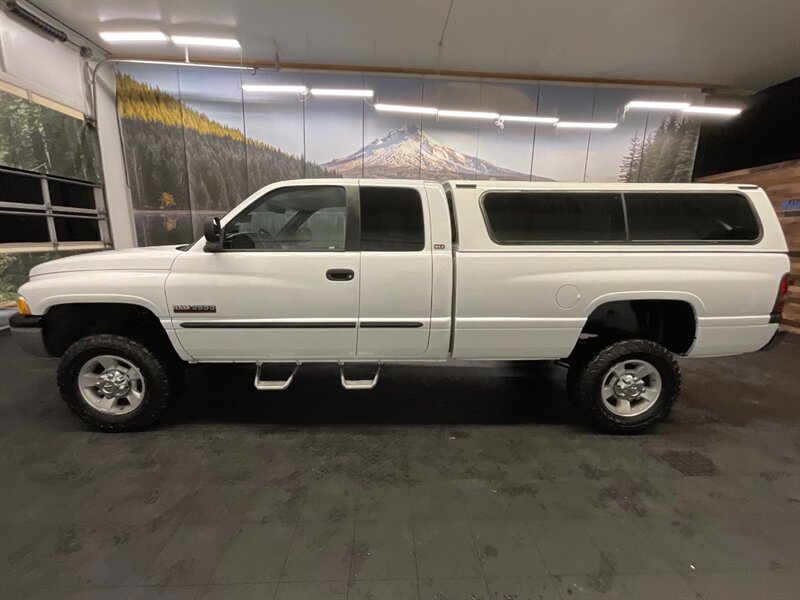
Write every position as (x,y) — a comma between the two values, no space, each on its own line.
(310,218)
(690,217)
(555,217)
(391,220)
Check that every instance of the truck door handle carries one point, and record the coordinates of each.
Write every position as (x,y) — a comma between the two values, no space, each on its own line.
(340,274)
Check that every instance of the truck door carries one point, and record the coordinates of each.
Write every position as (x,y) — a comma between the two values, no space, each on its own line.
(284,286)
(396,271)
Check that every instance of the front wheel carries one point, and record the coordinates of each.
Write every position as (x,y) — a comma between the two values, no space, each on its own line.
(114,383)
(627,386)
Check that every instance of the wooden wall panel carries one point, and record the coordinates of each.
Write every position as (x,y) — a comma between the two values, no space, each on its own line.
(781,181)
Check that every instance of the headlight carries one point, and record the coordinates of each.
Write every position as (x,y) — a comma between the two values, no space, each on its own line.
(22,306)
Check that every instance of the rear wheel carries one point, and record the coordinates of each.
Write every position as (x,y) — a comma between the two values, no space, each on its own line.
(627,386)
(114,383)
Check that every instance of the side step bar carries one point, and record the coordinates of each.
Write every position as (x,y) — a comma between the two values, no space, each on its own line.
(276,385)
(359,384)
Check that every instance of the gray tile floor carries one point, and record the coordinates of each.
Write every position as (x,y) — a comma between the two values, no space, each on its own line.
(473,483)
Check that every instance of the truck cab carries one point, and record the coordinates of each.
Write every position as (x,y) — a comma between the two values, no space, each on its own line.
(320,270)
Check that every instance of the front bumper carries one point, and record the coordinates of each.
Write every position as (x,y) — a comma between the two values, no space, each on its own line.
(27,332)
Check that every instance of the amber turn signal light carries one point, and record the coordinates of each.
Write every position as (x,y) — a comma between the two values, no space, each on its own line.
(22,306)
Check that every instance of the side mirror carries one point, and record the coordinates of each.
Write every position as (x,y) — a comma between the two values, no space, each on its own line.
(212,231)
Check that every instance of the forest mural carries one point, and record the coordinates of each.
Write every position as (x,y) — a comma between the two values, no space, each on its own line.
(37,138)
(666,155)
(196,144)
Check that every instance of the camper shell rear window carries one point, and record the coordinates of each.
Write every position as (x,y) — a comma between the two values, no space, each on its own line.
(691,217)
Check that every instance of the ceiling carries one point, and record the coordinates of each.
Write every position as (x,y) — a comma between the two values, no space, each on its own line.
(745,44)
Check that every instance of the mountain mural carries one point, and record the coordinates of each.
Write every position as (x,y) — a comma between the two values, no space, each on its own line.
(400,152)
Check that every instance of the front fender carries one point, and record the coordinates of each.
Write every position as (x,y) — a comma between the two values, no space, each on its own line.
(138,288)
(141,288)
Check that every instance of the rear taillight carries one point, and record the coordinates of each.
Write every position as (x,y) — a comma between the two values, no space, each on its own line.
(783,291)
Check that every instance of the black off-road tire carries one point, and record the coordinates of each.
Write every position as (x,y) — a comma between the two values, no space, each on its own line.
(586,376)
(160,376)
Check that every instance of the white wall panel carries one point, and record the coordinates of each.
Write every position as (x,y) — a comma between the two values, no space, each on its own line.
(41,64)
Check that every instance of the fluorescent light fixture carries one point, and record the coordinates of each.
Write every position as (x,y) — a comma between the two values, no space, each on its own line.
(277,89)
(578,125)
(417,110)
(467,114)
(522,119)
(190,40)
(718,111)
(656,105)
(344,93)
(175,63)
(133,36)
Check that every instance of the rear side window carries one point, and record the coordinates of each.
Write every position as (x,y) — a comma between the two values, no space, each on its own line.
(391,220)
(561,217)
(690,217)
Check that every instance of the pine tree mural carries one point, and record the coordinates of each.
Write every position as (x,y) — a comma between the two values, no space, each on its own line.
(665,155)
(207,167)
(37,138)
(629,168)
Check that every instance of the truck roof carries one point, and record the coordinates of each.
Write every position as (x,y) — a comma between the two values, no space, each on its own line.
(353,181)
(567,185)
(533,185)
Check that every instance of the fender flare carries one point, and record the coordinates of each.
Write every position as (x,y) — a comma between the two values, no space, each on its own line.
(698,307)
(153,308)
(104,298)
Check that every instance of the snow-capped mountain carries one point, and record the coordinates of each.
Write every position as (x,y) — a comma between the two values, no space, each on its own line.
(398,153)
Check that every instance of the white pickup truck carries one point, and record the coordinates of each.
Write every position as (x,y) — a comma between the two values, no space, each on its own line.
(613,280)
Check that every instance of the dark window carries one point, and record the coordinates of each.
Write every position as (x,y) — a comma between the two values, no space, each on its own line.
(561,217)
(20,227)
(688,217)
(391,220)
(26,218)
(292,218)
(71,195)
(20,189)
(74,229)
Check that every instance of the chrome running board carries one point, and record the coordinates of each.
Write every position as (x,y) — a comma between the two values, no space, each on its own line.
(359,384)
(276,385)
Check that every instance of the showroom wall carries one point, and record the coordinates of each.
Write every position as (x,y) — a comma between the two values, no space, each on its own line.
(42,132)
(55,74)
(196,144)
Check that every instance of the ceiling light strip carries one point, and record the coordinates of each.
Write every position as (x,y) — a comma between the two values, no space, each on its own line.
(524,119)
(342,93)
(586,125)
(400,108)
(190,40)
(718,111)
(467,114)
(656,105)
(176,63)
